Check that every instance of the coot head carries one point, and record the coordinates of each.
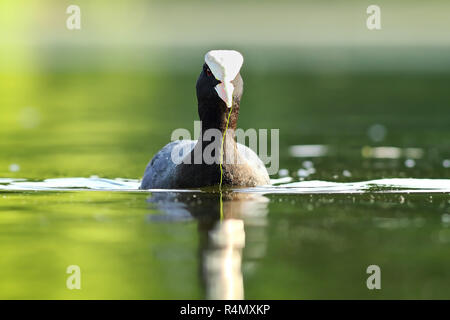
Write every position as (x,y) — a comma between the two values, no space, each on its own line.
(219,89)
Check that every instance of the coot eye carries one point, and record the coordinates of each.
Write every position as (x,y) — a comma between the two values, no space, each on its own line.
(208,72)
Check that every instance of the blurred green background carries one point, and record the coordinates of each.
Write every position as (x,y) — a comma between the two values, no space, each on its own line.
(102,100)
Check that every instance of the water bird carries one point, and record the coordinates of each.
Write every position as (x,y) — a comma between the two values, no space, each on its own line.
(219,91)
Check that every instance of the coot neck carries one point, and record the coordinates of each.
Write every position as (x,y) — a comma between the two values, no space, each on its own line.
(214,115)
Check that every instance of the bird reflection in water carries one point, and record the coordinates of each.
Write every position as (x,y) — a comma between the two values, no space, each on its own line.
(223,219)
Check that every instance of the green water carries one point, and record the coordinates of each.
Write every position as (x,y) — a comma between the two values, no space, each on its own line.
(57,124)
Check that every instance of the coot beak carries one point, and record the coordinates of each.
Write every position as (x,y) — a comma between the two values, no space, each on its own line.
(225,92)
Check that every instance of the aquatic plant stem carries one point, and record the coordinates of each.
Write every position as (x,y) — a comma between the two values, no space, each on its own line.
(221,162)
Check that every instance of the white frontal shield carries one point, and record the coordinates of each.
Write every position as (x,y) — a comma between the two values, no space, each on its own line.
(225,66)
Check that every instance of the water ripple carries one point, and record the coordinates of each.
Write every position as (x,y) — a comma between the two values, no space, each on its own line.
(278,186)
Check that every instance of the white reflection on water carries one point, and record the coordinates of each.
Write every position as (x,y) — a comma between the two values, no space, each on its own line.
(391,152)
(308,150)
(379,152)
(222,241)
(223,262)
(282,185)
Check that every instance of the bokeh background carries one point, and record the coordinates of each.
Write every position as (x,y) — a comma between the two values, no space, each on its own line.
(102,100)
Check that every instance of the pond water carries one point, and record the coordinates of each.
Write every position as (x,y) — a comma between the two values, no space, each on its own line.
(364,180)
